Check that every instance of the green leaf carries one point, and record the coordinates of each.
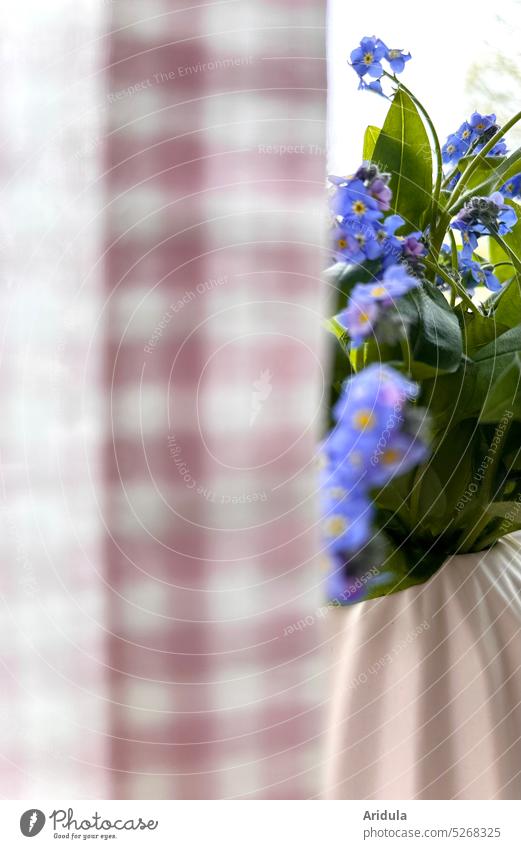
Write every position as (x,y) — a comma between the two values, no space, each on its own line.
(493,176)
(403,149)
(432,501)
(434,330)
(487,171)
(503,392)
(451,398)
(479,330)
(502,509)
(507,343)
(370,139)
(509,168)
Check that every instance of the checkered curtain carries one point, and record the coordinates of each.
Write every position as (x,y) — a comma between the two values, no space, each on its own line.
(185,592)
(215,180)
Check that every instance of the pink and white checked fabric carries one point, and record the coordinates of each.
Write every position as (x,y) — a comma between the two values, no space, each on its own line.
(207,673)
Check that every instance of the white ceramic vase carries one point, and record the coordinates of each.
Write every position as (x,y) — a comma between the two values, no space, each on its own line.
(426,686)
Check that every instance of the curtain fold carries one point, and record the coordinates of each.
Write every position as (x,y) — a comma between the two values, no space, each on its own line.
(214,211)
(55,694)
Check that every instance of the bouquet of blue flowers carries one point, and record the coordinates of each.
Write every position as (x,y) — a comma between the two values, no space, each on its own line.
(423,458)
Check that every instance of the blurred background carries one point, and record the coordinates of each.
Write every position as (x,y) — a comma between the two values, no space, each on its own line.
(161,248)
(163,376)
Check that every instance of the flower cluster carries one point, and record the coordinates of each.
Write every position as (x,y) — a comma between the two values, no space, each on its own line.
(374,439)
(366,60)
(360,231)
(368,301)
(482,217)
(471,137)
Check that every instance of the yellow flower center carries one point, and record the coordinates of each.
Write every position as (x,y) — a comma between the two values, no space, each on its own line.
(336,526)
(465,134)
(390,456)
(337,492)
(360,239)
(359,207)
(394,54)
(451,148)
(376,291)
(342,243)
(363,317)
(480,126)
(368,58)
(363,420)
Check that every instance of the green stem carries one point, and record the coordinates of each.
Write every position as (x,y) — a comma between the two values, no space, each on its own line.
(414,504)
(516,262)
(359,358)
(454,258)
(454,285)
(406,353)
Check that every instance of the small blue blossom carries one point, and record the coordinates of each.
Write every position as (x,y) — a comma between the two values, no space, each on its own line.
(474,274)
(366,59)
(397,59)
(395,283)
(453,149)
(506,217)
(392,246)
(499,149)
(346,521)
(480,123)
(396,457)
(359,319)
(387,387)
(380,191)
(413,246)
(512,189)
(466,134)
(354,202)
(355,243)
(374,85)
